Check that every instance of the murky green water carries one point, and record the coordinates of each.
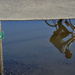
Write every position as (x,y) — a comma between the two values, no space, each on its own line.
(29,49)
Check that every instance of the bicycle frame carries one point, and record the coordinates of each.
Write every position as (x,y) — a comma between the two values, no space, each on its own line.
(72,26)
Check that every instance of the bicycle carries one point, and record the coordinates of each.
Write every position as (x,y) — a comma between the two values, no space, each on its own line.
(54,23)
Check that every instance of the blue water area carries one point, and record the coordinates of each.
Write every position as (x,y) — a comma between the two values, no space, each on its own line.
(31,48)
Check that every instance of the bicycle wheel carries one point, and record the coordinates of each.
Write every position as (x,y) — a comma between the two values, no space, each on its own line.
(52,23)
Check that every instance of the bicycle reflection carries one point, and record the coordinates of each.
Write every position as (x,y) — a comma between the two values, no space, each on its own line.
(57,40)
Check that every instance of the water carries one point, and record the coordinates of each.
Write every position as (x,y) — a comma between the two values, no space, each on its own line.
(29,50)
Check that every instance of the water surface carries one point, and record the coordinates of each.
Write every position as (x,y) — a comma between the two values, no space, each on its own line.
(27,50)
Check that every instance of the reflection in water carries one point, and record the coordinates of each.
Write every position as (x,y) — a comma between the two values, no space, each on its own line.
(59,35)
(28,51)
(1,55)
